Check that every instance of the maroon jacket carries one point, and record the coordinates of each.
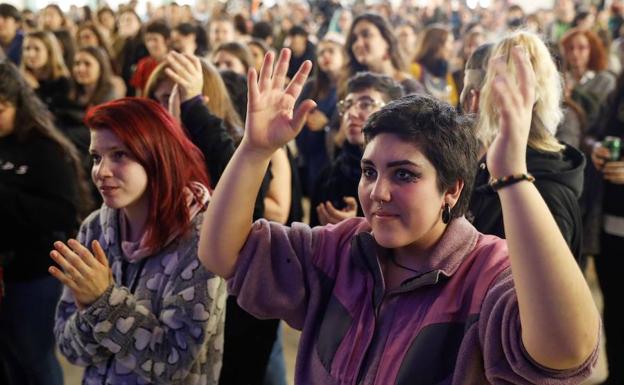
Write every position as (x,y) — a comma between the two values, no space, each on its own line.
(456,324)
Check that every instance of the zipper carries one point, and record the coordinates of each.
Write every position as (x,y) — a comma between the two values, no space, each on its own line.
(376,309)
(361,370)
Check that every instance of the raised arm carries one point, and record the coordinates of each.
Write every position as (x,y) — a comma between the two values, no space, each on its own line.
(560,322)
(271,123)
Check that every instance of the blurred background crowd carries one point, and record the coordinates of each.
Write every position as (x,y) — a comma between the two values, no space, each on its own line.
(77,56)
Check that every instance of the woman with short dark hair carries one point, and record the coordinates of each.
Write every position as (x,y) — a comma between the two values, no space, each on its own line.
(412,293)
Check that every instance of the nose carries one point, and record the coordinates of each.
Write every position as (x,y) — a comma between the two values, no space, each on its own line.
(353,111)
(358,41)
(102,169)
(380,191)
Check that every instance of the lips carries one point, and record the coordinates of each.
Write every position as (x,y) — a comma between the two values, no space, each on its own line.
(107,189)
(354,129)
(382,214)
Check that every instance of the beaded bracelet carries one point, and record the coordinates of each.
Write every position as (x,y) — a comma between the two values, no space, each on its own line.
(499,183)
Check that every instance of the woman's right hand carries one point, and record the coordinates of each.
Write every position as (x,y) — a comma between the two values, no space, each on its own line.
(271,119)
(600,155)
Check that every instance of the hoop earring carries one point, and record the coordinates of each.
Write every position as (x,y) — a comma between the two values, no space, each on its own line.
(446,213)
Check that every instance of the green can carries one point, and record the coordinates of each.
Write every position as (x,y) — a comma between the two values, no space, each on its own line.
(614,144)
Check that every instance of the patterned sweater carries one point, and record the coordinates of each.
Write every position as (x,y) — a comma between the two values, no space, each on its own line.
(161,321)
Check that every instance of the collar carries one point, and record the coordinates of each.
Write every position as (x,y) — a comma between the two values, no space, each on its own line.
(458,240)
(587,76)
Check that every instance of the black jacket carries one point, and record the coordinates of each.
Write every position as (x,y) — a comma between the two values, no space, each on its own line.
(338,180)
(558,178)
(39,202)
(208,133)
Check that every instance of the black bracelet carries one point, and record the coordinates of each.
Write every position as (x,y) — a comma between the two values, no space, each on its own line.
(499,183)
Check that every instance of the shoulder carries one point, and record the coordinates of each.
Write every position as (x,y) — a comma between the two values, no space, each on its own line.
(331,240)
(43,150)
(604,81)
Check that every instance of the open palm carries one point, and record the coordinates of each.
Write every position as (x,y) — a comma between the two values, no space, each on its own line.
(514,99)
(271,119)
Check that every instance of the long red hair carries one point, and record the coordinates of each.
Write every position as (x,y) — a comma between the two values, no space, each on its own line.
(161,146)
(598,56)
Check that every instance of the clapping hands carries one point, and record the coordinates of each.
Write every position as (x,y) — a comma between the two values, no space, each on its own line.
(85,274)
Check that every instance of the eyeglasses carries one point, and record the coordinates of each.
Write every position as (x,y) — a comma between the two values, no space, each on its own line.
(364,104)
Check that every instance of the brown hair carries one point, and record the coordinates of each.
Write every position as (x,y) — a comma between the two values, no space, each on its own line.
(102,41)
(239,50)
(104,86)
(56,63)
(434,38)
(384,29)
(598,59)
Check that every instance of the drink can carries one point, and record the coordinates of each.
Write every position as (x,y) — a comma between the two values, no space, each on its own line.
(614,144)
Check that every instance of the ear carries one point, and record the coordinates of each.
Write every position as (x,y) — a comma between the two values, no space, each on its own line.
(452,194)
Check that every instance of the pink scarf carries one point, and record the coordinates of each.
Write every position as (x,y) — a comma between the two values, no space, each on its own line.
(197,197)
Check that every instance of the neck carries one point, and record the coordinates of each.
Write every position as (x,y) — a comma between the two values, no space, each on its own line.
(416,255)
(577,73)
(6,40)
(387,68)
(136,215)
(89,89)
(333,76)
(43,73)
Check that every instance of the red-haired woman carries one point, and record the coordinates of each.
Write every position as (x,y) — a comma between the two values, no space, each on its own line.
(587,80)
(137,306)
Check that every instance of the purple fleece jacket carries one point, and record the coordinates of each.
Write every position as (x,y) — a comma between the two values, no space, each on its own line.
(456,324)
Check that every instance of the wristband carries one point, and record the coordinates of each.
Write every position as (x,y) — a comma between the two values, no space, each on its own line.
(499,183)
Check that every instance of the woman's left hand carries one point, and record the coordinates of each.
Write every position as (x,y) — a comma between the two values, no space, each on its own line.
(328,214)
(614,172)
(514,98)
(186,71)
(87,276)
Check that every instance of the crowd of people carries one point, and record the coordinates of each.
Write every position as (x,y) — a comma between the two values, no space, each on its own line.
(417,189)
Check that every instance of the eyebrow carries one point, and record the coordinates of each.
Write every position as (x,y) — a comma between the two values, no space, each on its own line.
(108,149)
(404,162)
(363,97)
(394,163)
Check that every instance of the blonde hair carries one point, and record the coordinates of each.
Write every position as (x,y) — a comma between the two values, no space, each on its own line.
(219,101)
(56,64)
(547,112)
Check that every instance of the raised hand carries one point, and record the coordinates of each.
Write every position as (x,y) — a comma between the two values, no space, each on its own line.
(86,275)
(186,71)
(271,119)
(514,98)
